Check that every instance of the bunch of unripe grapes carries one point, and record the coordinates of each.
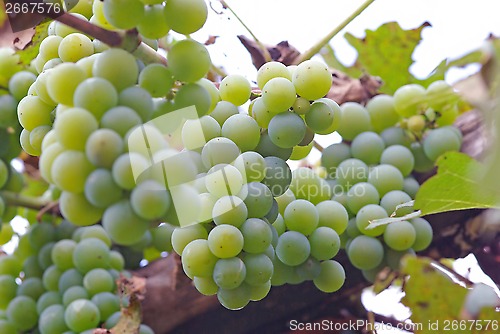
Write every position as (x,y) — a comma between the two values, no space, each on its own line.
(61,279)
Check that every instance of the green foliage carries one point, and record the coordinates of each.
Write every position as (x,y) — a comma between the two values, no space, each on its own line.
(31,50)
(456,186)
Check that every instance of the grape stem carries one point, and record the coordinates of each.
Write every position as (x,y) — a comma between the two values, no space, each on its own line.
(128,40)
(15,199)
(263,48)
(308,54)
(318,146)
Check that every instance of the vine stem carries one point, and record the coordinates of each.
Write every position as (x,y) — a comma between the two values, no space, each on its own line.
(263,48)
(15,199)
(322,42)
(318,146)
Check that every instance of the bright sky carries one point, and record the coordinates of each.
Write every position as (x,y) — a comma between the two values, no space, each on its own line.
(458,26)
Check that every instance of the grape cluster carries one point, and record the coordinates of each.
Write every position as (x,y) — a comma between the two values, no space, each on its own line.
(61,279)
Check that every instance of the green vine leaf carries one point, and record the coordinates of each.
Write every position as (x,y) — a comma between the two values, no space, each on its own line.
(30,51)
(458,185)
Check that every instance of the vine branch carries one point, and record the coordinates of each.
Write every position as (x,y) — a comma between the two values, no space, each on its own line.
(322,42)
(15,199)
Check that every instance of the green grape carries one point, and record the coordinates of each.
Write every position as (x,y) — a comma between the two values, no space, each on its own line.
(8,111)
(62,254)
(312,80)
(400,157)
(306,184)
(186,16)
(197,260)
(409,99)
(331,277)
(368,147)
(73,293)
(259,269)
(96,95)
(411,186)
(51,64)
(157,79)
(41,234)
(120,119)
(270,70)
(440,94)
(212,91)
(51,278)
(70,170)
(251,165)
(416,123)
(81,315)
(423,234)
(107,303)
(63,30)
(24,139)
(20,83)
(439,141)
(234,299)
(225,241)
(399,235)
(139,100)
(91,253)
(422,162)
(267,148)
(361,194)
(319,116)
(162,237)
(69,278)
(354,120)
(153,24)
(44,256)
(122,224)
(49,298)
(74,47)
(382,112)
(183,236)
(281,272)
(229,210)
(7,327)
(332,214)
(333,155)
(278,94)
(6,232)
(49,47)
(368,213)
(219,150)
(293,248)
(257,198)
(386,178)
(21,312)
(301,106)
(188,60)
(8,290)
(277,175)
(63,81)
(301,216)
(193,94)
(351,171)
(224,179)
(103,147)
(33,112)
(31,267)
(195,133)
(229,273)
(223,110)
(235,88)
(101,190)
(395,136)
(308,270)
(259,292)
(301,152)
(261,113)
(116,260)
(124,14)
(78,210)
(36,137)
(122,169)
(109,65)
(52,320)
(243,130)
(286,129)
(150,200)
(325,243)
(73,127)
(98,280)
(365,252)
(257,235)
(205,285)
(285,199)
(394,198)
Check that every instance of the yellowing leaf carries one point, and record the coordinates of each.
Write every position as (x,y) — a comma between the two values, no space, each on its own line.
(457,185)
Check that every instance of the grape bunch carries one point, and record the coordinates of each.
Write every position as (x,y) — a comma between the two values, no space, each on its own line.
(61,279)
